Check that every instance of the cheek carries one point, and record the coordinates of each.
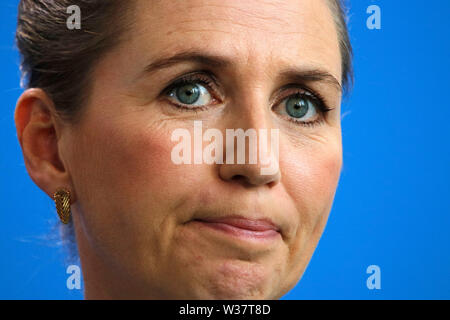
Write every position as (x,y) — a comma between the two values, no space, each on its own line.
(310,176)
(146,168)
(125,177)
(126,160)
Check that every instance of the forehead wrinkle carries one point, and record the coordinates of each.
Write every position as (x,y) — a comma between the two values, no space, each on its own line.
(250,14)
(316,37)
(251,17)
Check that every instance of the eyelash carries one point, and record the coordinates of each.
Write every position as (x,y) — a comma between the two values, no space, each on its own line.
(317,99)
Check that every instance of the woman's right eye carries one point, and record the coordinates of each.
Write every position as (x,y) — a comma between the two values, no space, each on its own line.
(190,95)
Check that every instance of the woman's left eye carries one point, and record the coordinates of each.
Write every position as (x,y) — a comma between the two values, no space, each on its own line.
(190,95)
(299,108)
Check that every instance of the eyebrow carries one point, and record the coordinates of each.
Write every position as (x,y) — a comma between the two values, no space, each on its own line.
(311,75)
(294,74)
(189,56)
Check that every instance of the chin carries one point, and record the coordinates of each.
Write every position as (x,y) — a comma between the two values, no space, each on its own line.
(235,280)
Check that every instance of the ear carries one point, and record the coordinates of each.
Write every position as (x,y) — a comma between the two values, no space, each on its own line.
(37,126)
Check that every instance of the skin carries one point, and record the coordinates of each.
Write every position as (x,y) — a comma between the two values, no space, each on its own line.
(132,207)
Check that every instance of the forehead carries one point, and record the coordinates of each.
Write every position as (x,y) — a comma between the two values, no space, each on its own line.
(252,33)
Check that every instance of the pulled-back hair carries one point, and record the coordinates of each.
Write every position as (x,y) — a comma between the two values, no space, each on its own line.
(59,60)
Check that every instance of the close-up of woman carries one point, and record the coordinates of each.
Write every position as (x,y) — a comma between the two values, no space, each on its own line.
(96,125)
(192,150)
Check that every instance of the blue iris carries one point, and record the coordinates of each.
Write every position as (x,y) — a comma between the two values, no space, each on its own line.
(188,93)
(297,106)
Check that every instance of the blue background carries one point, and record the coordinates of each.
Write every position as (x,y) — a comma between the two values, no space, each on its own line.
(392,205)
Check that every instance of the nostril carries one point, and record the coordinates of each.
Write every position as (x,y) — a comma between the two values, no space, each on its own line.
(238,177)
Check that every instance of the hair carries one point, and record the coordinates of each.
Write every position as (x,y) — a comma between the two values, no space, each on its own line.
(60,61)
(340,16)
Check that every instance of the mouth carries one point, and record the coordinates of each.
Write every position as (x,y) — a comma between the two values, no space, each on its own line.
(240,227)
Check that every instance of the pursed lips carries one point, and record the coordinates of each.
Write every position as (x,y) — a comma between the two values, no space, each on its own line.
(244,223)
(242,227)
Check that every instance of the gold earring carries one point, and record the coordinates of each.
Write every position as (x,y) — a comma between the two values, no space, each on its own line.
(62,202)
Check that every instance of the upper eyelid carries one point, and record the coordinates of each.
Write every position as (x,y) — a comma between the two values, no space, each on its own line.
(299,90)
(197,76)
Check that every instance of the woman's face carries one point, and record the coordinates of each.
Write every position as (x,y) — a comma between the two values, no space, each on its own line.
(135,207)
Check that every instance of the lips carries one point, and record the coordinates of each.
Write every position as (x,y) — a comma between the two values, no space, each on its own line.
(259,225)
(238,230)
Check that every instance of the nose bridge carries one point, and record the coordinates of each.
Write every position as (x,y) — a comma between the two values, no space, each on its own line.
(249,101)
(251,107)
(248,117)
(250,141)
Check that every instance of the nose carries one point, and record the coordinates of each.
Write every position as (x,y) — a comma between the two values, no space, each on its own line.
(248,174)
(251,152)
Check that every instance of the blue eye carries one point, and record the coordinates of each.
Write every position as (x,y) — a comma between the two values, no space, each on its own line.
(191,94)
(299,107)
